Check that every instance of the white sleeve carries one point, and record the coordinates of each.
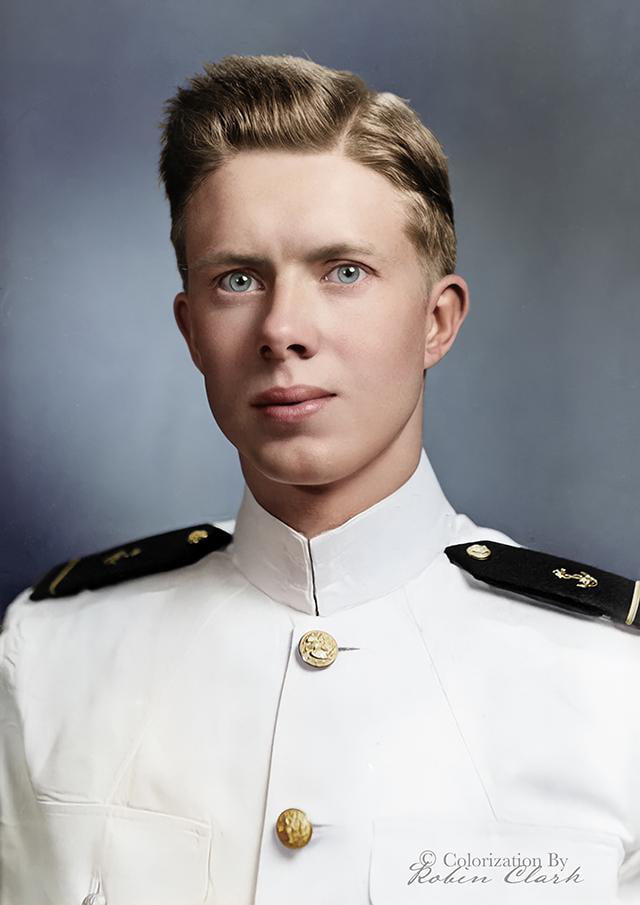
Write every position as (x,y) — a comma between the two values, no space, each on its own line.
(20,843)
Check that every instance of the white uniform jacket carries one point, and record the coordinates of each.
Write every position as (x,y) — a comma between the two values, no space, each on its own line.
(465,746)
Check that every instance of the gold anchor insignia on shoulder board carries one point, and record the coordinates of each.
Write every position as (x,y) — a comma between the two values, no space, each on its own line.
(114,558)
(583,579)
(196,536)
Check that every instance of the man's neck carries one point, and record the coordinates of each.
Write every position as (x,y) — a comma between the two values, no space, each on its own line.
(312,509)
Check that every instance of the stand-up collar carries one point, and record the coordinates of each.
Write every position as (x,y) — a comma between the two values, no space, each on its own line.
(368,556)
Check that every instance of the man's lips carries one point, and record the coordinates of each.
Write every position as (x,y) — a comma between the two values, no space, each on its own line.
(289,395)
(293,412)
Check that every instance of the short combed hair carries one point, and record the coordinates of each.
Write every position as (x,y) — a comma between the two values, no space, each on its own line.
(290,103)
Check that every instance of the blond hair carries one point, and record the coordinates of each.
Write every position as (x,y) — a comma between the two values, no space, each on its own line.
(289,103)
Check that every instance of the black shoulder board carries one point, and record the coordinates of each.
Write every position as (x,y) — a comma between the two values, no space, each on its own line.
(564,583)
(157,553)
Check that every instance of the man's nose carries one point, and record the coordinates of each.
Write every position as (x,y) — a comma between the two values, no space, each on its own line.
(289,321)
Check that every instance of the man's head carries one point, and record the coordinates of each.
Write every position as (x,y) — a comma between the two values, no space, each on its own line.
(269,163)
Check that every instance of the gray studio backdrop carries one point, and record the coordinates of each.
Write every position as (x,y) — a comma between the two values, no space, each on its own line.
(532,421)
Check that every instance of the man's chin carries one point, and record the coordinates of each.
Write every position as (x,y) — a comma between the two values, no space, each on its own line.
(307,461)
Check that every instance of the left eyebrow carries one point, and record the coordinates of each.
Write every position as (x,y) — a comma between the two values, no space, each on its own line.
(323,253)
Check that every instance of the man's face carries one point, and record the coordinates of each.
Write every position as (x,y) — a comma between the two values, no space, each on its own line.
(335,298)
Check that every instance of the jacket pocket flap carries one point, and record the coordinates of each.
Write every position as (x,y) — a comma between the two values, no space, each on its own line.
(140,856)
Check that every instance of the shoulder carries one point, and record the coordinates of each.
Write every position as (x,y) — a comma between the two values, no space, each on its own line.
(549,579)
(154,563)
(131,559)
(146,601)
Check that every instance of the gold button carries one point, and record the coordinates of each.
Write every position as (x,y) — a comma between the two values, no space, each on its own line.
(478,551)
(293,828)
(196,536)
(318,648)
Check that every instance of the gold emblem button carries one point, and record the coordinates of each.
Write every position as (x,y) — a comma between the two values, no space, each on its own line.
(196,536)
(478,551)
(293,828)
(318,648)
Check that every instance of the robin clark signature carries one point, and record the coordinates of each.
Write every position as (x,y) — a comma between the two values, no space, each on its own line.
(520,870)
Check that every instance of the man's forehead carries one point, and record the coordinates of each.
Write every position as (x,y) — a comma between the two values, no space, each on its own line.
(299,206)
(313,187)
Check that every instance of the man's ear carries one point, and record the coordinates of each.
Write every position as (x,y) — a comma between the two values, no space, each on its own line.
(447,308)
(182,314)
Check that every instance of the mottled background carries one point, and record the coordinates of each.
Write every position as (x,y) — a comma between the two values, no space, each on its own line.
(532,421)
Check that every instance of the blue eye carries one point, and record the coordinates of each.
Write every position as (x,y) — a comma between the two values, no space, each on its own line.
(239,281)
(349,272)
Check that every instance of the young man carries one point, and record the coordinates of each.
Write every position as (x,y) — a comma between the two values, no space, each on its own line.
(336,703)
